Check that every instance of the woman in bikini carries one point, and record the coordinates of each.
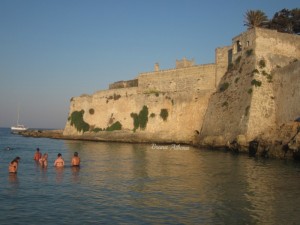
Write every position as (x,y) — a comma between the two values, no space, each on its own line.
(13,166)
(44,160)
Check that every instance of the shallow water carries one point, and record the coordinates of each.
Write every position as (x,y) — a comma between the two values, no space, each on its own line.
(144,184)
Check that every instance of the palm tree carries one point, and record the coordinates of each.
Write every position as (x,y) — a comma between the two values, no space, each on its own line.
(255,18)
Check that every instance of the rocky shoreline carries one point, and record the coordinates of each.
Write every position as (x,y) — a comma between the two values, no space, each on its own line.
(283,143)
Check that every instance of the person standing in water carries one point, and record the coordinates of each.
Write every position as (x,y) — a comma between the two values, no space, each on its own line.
(44,160)
(37,155)
(59,162)
(75,159)
(13,166)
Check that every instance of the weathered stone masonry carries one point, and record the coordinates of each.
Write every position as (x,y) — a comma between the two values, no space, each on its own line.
(194,96)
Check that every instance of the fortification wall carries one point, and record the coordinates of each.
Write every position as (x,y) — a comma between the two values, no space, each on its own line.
(286,87)
(228,110)
(272,44)
(105,104)
(192,78)
(223,59)
(214,100)
(272,51)
(249,105)
(117,105)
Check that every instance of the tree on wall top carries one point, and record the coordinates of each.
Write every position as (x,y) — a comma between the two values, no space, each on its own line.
(255,18)
(285,20)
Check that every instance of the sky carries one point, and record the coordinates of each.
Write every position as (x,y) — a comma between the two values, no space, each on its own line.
(53,50)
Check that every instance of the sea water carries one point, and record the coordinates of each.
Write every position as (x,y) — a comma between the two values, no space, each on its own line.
(120,183)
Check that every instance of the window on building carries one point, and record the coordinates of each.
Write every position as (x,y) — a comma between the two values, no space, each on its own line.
(238,46)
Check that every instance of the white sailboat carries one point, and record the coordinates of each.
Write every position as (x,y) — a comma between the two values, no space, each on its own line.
(18,127)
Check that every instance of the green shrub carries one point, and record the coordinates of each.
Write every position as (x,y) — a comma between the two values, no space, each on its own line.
(236,80)
(143,117)
(116,97)
(115,126)
(262,63)
(224,86)
(270,78)
(225,104)
(249,52)
(140,120)
(254,72)
(77,121)
(250,91)
(136,123)
(164,114)
(256,83)
(152,115)
(97,129)
(264,73)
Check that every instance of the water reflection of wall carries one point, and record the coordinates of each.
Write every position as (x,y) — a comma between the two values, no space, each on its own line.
(213,186)
(271,192)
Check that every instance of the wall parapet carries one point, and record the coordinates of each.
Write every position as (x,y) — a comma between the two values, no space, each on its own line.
(175,69)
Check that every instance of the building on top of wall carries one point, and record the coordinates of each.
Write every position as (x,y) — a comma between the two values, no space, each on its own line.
(184,63)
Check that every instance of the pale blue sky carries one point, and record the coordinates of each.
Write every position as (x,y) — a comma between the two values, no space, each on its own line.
(52,50)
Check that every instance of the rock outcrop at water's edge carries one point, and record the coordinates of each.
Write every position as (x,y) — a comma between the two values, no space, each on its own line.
(245,102)
(55,134)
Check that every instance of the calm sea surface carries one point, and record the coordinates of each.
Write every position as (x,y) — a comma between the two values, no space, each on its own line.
(144,184)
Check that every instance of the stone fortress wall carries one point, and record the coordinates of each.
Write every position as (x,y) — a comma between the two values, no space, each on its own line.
(191,93)
(251,105)
(185,77)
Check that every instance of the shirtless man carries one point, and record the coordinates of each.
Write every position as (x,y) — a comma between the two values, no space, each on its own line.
(59,162)
(75,159)
(37,155)
(13,166)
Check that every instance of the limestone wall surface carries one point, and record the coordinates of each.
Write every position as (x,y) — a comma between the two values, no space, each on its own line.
(223,59)
(192,78)
(229,108)
(287,93)
(273,50)
(249,105)
(183,109)
(270,43)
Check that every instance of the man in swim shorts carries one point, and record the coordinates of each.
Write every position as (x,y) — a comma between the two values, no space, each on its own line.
(75,159)
(37,155)
(59,162)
